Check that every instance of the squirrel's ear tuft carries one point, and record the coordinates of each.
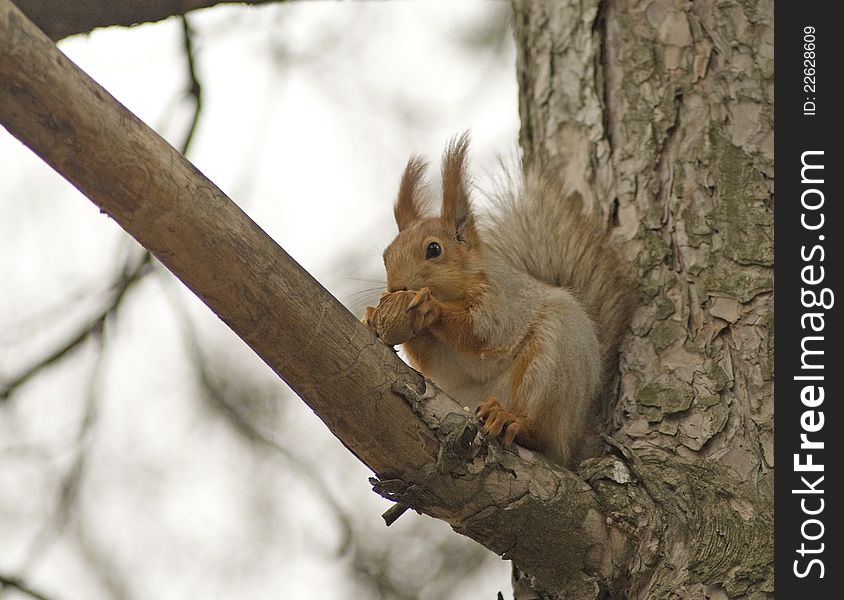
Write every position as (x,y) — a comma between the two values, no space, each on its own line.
(457,211)
(409,205)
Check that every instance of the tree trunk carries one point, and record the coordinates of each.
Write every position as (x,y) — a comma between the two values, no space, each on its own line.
(663,112)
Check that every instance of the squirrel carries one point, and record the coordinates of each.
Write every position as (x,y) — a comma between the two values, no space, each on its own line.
(517,315)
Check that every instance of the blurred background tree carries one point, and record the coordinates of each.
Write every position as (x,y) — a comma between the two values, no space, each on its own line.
(144,450)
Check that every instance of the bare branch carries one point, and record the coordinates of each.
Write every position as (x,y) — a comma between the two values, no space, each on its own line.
(16,583)
(60,19)
(69,487)
(195,89)
(102,560)
(130,275)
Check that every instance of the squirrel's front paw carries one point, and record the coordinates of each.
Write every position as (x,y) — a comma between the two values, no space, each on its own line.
(401,315)
(423,309)
(498,419)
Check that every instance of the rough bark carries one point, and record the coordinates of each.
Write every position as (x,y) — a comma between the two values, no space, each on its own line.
(63,18)
(628,526)
(663,111)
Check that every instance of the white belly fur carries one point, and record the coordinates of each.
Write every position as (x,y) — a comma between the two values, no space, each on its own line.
(470,380)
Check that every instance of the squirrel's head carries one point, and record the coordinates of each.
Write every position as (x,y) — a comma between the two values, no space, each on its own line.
(442,253)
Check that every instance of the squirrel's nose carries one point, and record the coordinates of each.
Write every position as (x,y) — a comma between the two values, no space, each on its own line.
(396,284)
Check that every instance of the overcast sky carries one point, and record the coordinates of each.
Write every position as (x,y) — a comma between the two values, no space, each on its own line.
(310,112)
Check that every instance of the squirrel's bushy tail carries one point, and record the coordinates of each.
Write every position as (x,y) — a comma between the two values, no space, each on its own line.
(543,229)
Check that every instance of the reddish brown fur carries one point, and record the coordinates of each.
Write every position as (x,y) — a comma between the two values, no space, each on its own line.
(515,421)
(409,202)
(456,209)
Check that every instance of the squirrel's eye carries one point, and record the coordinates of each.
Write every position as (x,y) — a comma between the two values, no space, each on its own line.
(433,250)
